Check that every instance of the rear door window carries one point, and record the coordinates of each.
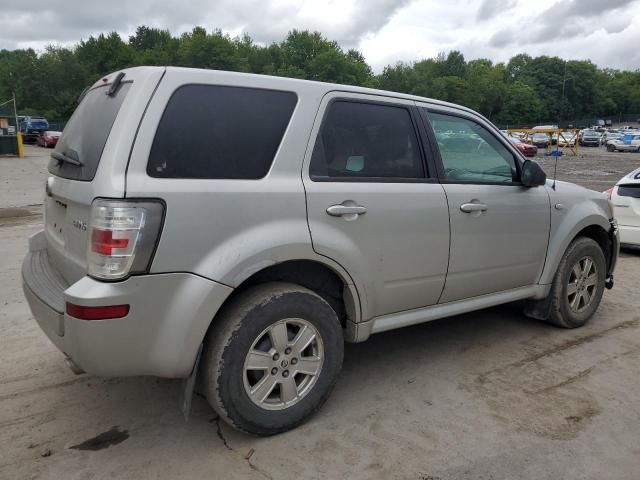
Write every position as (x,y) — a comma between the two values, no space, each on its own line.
(360,140)
(85,135)
(220,132)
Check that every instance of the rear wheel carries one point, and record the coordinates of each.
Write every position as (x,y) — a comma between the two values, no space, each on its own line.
(272,358)
(611,148)
(578,285)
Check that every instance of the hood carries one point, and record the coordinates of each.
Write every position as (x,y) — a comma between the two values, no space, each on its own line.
(569,194)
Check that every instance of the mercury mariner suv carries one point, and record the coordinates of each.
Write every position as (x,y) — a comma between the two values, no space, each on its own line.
(242,228)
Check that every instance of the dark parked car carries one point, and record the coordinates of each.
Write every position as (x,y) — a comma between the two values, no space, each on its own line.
(49,138)
(590,138)
(32,128)
(524,148)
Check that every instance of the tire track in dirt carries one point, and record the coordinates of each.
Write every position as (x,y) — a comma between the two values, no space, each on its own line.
(546,393)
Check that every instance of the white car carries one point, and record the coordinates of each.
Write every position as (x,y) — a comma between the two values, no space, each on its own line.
(625,197)
(611,135)
(566,139)
(628,143)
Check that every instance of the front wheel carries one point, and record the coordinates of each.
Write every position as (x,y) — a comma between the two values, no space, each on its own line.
(611,148)
(272,358)
(578,285)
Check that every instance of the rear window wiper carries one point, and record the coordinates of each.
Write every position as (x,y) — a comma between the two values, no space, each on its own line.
(62,158)
(115,85)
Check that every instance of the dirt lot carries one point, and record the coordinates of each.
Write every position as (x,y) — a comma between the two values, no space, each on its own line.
(487,395)
(593,167)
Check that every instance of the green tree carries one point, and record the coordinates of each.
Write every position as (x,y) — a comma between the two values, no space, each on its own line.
(216,51)
(521,105)
(311,56)
(525,90)
(397,78)
(105,53)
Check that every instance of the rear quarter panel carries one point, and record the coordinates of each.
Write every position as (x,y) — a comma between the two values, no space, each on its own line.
(226,230)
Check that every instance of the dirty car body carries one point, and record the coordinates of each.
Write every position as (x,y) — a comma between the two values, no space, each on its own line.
(267,244)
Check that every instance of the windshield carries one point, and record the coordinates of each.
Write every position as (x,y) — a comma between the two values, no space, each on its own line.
(38,123)
(85,135)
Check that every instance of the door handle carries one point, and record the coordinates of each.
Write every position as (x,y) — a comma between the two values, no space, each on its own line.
(473,207)
(342,210)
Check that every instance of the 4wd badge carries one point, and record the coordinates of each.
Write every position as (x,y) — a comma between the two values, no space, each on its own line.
(80,225)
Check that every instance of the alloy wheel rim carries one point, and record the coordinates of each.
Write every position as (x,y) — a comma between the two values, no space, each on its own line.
(582,284)
(283,364)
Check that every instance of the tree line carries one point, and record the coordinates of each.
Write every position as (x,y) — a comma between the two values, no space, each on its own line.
(522,91)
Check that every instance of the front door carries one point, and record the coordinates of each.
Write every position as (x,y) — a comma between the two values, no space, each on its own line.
(499,228)
(371,204)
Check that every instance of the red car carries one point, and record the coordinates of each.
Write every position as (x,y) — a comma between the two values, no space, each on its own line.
(49,138)
(526,149)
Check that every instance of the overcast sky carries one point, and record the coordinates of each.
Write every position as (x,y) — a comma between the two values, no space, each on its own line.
(386,31)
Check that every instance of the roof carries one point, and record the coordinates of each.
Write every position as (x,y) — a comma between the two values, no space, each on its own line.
(296,84)
(633,177)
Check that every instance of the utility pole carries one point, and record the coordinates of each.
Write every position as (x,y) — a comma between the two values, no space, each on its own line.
(15,112)
(564,81)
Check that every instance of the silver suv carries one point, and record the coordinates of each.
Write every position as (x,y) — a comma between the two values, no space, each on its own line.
(243,227)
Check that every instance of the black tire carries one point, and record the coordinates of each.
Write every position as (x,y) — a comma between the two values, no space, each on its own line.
(232,335)
(611,148)
(561,314)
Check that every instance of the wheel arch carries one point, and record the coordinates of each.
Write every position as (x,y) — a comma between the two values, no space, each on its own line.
(332,283)
(593,226)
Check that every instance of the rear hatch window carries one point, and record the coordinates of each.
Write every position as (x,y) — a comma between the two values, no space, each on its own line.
(39,124)
(86,133)
(632,190)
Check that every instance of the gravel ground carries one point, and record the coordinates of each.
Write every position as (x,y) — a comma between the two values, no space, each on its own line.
(593,167)
(486,395)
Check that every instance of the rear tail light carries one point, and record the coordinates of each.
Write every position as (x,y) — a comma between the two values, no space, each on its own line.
(122,237)
(608,192)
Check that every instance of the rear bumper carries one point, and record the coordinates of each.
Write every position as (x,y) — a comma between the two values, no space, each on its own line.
(629,235)
(168,318)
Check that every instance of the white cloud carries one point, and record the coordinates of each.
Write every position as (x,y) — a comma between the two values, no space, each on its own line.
(386,31)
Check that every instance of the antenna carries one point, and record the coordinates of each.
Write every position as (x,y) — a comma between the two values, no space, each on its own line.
(555,153)
(555,169)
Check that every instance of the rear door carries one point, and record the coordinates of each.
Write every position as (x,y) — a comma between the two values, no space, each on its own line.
(90,161)
(499,228)
(372,205)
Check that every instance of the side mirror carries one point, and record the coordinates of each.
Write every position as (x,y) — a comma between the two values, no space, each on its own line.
(532,174)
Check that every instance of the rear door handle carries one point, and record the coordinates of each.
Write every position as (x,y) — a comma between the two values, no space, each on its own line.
(473,207)
(349,212)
